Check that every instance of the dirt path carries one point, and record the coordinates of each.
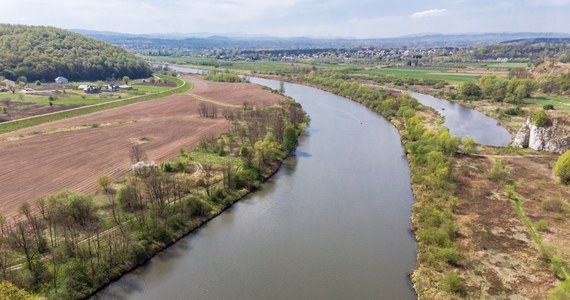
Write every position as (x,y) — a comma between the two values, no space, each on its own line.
(41,164)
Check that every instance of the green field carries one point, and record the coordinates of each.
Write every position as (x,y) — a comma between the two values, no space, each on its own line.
(421,73)
(78,97)
(260,66)
(558,102)
(181,86)
(502,66)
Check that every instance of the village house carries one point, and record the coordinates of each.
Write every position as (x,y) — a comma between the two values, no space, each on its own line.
(61,80)
(91,90)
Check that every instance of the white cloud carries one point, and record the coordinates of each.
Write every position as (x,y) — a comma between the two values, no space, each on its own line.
(429,13)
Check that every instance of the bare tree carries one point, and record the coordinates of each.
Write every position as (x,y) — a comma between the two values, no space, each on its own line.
(137,153)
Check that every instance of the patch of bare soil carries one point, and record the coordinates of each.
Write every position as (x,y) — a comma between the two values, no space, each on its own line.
(546,199)
(51,158)
(500,259)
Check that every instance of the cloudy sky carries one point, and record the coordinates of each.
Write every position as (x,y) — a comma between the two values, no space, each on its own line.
(324,18)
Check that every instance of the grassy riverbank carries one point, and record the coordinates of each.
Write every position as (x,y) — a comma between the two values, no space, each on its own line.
(76,244)
(472,225)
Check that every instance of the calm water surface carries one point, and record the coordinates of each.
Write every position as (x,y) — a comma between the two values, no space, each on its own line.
(463,121)
(333,223)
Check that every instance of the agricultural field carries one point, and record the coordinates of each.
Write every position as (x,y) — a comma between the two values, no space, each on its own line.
(500,66)
(261,66)
(78,149)
(451,76)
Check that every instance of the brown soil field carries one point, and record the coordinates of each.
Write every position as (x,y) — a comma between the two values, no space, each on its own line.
(73,153)
(501,261)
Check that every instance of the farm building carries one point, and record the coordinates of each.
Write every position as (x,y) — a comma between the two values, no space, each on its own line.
(61,80)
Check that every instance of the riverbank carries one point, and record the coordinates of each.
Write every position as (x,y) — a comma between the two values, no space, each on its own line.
(470,236)
(77,243)
(228,203)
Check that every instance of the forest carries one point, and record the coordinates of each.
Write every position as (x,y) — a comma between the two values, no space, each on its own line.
(44,53)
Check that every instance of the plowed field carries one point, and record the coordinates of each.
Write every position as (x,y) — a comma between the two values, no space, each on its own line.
(73,153)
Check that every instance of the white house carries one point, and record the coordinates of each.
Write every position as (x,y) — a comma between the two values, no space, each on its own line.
(61,80)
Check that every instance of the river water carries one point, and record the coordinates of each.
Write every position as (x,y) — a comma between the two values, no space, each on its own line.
(463,121)
(333,223)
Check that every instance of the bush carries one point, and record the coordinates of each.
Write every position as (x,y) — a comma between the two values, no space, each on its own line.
(498,173)
(453,283)
(470,89)
(540,118)
(548,107)
(514,111)
(562,167)
(541,225)
(449,255)
(129,198)
(553,205)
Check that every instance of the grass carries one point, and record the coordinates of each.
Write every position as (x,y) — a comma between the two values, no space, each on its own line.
(506,66)
(182,86)
(559,102)
(212,159)
(261,66)
(77,97)
(420,73)
(558,265)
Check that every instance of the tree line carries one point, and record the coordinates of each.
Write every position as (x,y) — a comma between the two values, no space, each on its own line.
(44,53)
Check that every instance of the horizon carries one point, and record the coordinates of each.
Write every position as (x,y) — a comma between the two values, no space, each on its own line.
(358,19)
(257,35)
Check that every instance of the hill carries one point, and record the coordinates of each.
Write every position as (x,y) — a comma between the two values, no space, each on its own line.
(43,53)
(143,43)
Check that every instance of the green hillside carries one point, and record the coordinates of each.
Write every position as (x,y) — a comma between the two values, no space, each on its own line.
(44,53)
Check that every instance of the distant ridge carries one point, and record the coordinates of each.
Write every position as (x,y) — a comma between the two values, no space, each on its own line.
(539,41)
(205,40)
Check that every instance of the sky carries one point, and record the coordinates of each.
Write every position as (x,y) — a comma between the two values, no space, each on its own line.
(286,18)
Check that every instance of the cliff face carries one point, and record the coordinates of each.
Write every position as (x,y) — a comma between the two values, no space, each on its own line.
(552,138)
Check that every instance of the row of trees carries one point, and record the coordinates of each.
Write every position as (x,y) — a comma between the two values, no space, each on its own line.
(499,89)
(68,244)
(43,53)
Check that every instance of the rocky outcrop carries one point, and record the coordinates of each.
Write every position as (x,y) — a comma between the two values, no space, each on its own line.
(552,138)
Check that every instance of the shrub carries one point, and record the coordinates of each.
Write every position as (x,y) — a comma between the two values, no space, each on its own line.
(562,167)
(453,283)
(449,255)
(197,207)
(553,205)
(514,111)
(498,172)
(540,118)
(470,89)
(548,107)
(541,225)
(129,198)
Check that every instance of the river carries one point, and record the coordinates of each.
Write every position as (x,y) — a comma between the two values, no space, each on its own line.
(333,223)
(463,121)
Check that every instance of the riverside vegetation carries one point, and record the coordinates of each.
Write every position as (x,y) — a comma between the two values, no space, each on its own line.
(68,245)
(445,263)
(430,153)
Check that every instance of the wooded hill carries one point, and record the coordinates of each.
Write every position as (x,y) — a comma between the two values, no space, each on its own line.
(44,53)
